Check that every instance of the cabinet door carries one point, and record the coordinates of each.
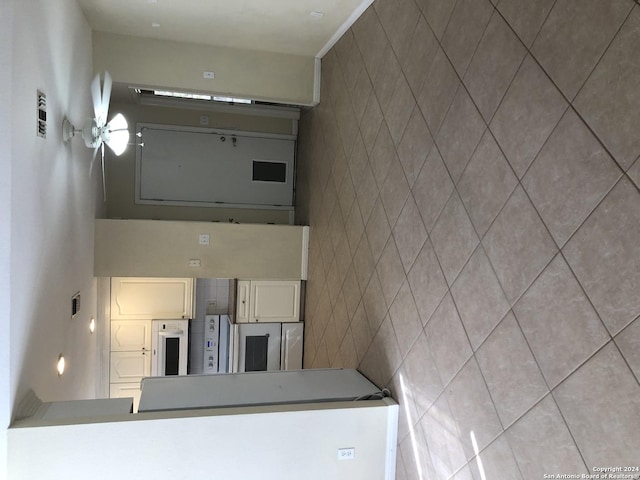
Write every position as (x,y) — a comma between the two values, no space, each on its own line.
(274,301)
(242,301)
(130,335)
(126,390)
(129,367)
(151,298)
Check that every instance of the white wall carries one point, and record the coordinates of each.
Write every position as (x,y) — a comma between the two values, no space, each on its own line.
(273,77)
(269,252)
(273,443)
(53,204)
(6,34)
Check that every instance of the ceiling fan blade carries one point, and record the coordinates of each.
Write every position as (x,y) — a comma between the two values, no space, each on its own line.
(96,98)
(93,161)
(104,188)
(106,94)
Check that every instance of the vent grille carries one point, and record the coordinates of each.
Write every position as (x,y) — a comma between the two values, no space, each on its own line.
(42,115)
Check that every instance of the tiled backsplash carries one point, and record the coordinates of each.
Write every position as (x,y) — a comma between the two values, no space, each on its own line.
(209,290)
(212,298)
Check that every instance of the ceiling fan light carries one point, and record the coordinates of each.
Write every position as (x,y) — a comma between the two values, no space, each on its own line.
(118,135)
(118,141)
(118,123)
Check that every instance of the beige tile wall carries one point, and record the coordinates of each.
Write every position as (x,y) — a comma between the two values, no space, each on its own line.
(471,180)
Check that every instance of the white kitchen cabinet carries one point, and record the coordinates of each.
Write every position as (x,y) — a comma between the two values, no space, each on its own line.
(130,335)
(243,299)
(127,390)
(151,298)
(275,301)
(130,358)
(128,367)
(270,301)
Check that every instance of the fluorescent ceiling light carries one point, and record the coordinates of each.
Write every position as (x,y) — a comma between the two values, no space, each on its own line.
(195,96)
(231,99)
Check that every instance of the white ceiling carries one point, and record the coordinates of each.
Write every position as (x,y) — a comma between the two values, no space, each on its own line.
(284,26)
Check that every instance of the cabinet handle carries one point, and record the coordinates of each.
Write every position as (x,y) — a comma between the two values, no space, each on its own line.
(143,353)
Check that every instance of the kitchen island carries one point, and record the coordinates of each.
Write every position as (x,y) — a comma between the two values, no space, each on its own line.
(274,441)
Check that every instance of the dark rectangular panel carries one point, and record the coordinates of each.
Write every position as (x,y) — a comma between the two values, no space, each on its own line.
(171,356)
(256,354)
(269,171)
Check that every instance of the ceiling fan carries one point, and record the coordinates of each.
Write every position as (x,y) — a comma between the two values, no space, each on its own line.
(96,132)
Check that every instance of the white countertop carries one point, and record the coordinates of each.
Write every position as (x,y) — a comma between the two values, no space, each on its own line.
(255,388)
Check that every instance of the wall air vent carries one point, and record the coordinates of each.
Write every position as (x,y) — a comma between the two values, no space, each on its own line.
(42,115)
(75,304)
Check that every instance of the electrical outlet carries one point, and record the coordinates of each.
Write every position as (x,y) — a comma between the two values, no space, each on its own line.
(204,120)
(346,453)
(209,75)
(204,239)
(212,306)
(194,262)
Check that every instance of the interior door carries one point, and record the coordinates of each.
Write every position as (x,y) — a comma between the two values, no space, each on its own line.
(209,168)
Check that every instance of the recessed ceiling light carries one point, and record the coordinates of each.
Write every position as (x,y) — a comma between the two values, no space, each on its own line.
(316,14)
(155,25)
(60,365)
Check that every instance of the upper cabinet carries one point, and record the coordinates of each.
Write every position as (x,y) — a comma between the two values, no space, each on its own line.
(243,299)
(151,298)
(268,301)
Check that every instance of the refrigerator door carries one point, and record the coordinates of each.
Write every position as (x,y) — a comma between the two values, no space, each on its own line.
(291,348)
